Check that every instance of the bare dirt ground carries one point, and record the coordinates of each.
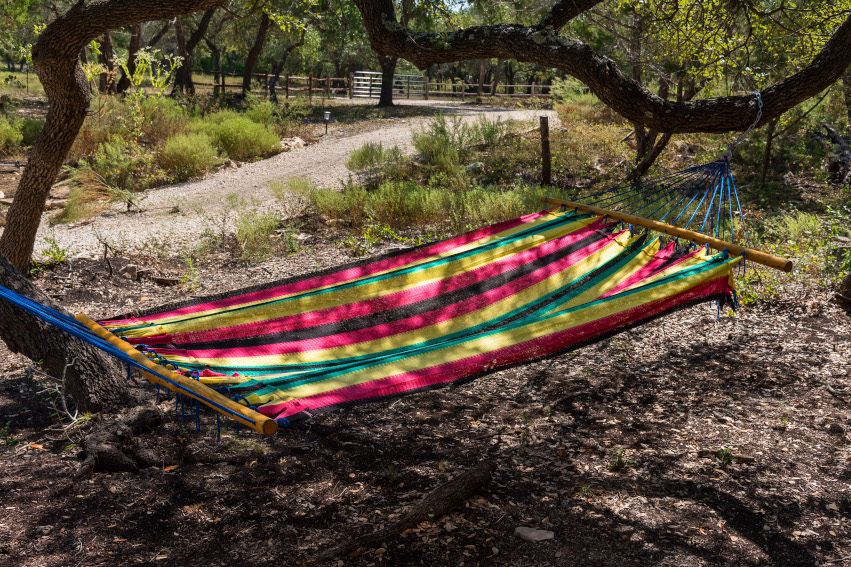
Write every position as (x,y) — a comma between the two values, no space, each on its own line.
(174,216)
(733,436)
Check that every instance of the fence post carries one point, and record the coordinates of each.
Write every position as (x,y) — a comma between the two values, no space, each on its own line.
(493,88)
(327,85)
(409,88)
(463,89)
(546,159)
(266,84)
(223,81)
(533,88)
(287,86)
(425,89)
(310,87)
(369,78)
(351,84)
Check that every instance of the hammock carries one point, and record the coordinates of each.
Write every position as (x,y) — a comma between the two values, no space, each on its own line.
(502,295)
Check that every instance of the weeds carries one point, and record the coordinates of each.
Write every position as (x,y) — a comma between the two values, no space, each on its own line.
(725,455)
(618,462)
(254,232)
(7,436)
(188,155)
(192,276)
(373,156)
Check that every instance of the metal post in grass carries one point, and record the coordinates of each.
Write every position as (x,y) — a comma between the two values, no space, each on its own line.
(546,158)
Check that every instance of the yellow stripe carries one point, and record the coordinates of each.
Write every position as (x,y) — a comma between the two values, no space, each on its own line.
(500,340)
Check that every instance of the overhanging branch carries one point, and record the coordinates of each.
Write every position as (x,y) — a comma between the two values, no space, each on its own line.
(628,97)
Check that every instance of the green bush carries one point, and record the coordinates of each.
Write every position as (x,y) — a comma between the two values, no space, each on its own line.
(241,138)
(490,133)
(10,136)
(126,167)
(163,118)
(443,143)
(188,155)
(263,112)
(30,129)
(254,232)
(373,155)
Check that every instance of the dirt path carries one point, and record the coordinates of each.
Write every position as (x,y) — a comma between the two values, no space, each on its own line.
(176,215)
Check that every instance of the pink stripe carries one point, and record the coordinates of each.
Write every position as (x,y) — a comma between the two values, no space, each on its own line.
(408,324)
(502,357)
(391,301)
(651,268)
(338,277)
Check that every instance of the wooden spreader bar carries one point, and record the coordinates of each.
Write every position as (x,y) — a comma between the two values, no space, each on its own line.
(769,260)
(187,386)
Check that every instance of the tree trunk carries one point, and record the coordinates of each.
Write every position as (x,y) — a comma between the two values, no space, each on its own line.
(160,34)
(254,54)
(56,58)
(278,66)
(846,90)
(483,66)
(132,50)
(496,74)
(388,71)
(509,76)
(766,156)
(107,59)
(217,64)
(95,381)
(183,78)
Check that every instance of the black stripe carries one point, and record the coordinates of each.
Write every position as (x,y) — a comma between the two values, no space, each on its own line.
(434,305)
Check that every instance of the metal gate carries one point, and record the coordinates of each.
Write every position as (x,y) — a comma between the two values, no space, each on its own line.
(367,84)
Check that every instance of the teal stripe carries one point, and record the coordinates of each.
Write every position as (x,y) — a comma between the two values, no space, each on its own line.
(564,219)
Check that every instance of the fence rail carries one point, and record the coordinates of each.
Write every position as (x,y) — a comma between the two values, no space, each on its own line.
(367,84)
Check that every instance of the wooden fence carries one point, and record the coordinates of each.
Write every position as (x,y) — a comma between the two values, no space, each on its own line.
(367,84)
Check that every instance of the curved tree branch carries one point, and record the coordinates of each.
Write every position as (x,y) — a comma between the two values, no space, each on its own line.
(628,97)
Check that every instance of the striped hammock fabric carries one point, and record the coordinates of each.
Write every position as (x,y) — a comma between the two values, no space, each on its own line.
(505,294)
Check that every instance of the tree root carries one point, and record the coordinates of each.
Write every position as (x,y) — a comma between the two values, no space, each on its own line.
(435,504)
(116,447)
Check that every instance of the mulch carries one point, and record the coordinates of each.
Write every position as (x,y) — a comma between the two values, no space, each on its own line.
(693,440)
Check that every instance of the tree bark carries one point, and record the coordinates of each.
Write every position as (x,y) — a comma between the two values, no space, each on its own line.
(846,91)
(278,66)
(132,51)
(94,380)
(160,34)
(543,45)
(187,49)
(483,66)
(217,64)
(183,78)
(388,72)
(56,58)
(254,54)
(766,156)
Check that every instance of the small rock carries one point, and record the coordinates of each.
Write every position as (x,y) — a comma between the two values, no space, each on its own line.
(165,281)
(2,194)
(130,271)
(289,144)
(477,166)
(836,429)
(533,535)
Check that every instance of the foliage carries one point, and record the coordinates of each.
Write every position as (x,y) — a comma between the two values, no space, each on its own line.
(188,155)
(241,138)
(254,232)
(373,155)
(10,136)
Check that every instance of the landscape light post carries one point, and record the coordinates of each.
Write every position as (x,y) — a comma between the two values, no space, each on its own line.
(327,120)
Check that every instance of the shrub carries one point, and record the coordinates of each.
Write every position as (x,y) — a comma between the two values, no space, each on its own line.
(372,156)
(188,155)
(443,143)
(30,129)
(127,167)
(163,117)
(241,138)
(490,133)
(263,112)
(10,136)
(254,234)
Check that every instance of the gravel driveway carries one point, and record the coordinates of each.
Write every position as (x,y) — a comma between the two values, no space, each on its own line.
(175,216)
